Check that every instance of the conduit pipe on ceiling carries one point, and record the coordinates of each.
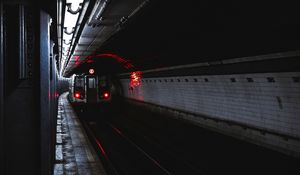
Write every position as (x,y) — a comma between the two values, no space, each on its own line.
(96,15)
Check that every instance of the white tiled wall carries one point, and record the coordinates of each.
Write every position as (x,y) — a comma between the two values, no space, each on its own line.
(273,106)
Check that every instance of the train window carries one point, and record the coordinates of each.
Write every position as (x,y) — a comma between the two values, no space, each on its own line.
(79,82)
(92,83)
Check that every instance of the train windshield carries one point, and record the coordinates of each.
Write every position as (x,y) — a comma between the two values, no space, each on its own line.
(92,83)
(79,82)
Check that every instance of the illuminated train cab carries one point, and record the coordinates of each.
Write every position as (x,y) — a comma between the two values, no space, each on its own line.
(89,89)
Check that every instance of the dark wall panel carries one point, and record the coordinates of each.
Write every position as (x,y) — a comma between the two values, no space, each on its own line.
(45,92)
(20,117)
(28,99)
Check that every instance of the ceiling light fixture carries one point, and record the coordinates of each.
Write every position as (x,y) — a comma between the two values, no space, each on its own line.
(72,12)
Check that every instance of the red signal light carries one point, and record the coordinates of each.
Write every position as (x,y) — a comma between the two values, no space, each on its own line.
(135,78)
(77,95)
(91,71)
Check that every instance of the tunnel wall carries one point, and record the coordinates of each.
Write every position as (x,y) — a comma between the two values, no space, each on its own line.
(63,85)
(28,101)
(264,106)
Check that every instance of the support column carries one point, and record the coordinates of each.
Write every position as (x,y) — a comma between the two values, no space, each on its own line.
(45,93)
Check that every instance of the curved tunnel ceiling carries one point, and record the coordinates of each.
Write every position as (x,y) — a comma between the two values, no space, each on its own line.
(167,33)
(105,19)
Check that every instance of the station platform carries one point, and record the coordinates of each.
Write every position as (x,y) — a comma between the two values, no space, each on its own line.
(74,152)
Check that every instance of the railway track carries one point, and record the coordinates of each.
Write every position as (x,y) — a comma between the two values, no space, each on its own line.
(132,144)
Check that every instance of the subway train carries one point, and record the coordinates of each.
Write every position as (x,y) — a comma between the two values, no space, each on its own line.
(89,89)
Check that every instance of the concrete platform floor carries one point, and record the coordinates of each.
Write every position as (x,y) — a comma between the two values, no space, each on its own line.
(74,152)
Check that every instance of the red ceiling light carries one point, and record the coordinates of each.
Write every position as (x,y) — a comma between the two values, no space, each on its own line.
(77,59)
(90,61)
(91,71)
(121,60)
